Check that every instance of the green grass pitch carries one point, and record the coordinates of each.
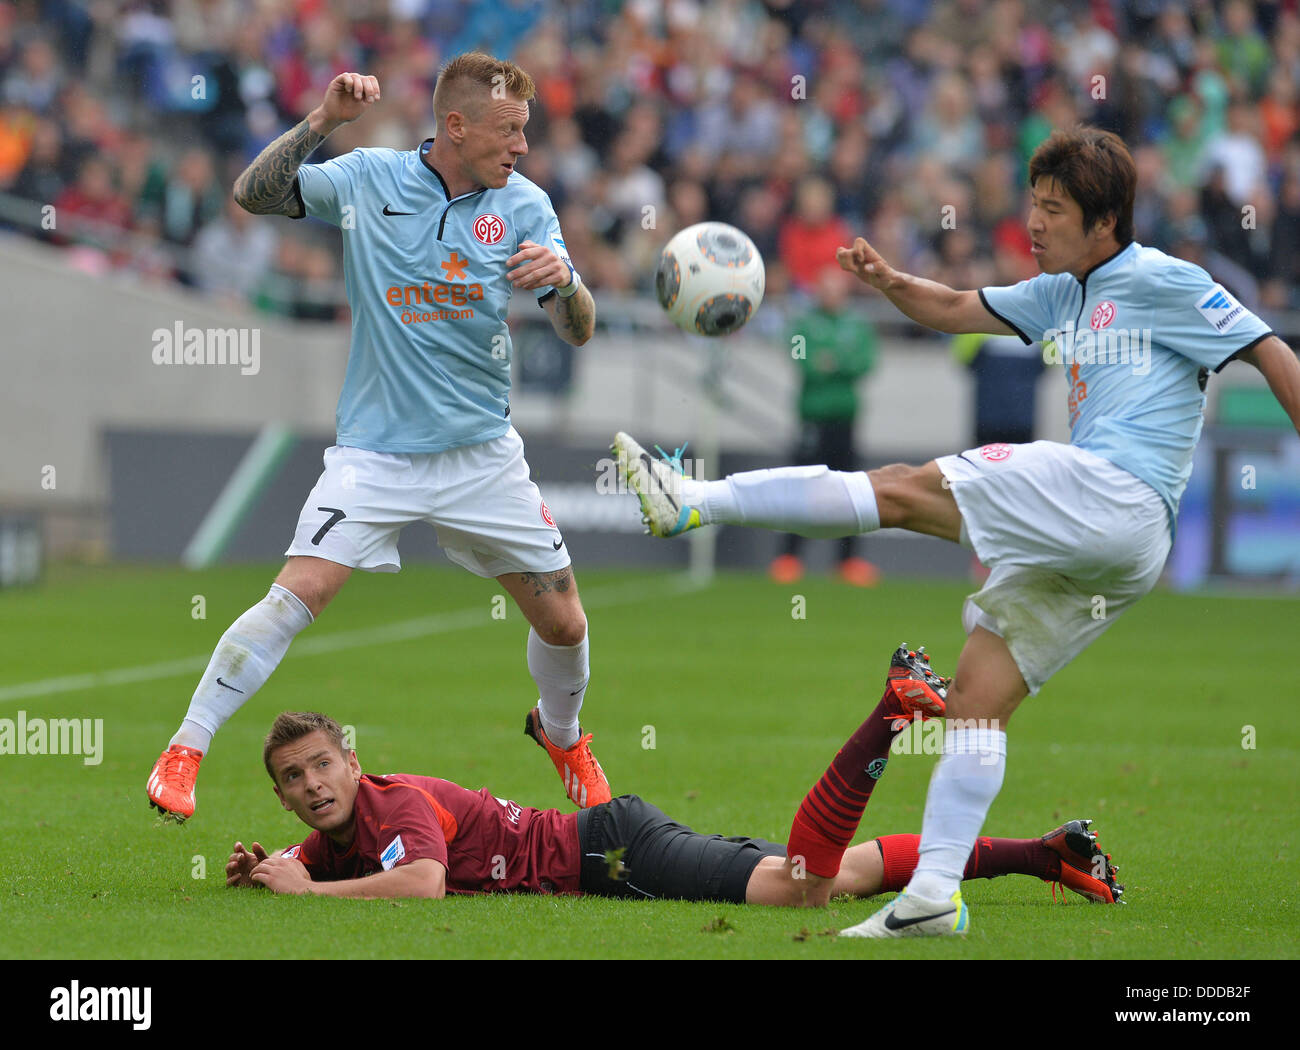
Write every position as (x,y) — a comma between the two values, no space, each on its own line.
(744,705)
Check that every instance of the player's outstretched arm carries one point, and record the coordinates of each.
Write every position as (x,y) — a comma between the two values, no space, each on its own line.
(1279,366)
(266,186)
(419,878)
(926,302)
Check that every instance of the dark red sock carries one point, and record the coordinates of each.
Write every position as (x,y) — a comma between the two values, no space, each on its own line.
(989,859)
(829,815)
(993,857)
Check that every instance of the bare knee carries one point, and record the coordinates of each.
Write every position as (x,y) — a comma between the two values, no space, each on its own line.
(896,481)
(916,498)
(313,581)
(780,882)
(566,628)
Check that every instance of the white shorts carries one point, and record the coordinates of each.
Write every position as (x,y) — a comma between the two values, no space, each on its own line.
(1072,541)
(488,514)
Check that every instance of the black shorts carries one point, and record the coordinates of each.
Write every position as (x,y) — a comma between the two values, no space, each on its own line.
(662,858)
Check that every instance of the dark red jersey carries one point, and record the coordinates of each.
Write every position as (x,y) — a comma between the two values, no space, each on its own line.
(487,844)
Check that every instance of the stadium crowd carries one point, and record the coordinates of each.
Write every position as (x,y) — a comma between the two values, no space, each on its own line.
(804,122)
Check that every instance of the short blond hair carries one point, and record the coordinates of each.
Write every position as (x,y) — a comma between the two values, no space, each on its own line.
(458,79)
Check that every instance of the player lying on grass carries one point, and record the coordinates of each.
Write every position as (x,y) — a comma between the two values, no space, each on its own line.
(1074,534)
(415,836)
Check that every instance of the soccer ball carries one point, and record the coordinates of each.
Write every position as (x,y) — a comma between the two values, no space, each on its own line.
(710,279)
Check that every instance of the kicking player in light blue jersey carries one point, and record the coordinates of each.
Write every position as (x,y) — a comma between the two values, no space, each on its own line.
(1060,525)
(435,241)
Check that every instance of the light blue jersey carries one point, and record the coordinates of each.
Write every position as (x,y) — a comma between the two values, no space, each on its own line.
(1137,336)
(429,367)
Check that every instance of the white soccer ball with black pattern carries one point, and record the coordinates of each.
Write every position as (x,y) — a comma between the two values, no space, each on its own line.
(710,279)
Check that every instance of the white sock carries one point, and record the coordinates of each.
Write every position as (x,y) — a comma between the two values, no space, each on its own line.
(561,673)
(248,652)
(811,501)
(962,788)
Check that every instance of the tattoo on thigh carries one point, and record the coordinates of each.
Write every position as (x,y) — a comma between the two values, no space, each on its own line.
(560,580)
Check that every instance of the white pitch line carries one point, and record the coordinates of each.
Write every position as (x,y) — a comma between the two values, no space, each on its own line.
(401,631)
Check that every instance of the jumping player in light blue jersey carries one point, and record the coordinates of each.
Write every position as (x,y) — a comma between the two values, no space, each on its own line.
(1138,333)
(436,239)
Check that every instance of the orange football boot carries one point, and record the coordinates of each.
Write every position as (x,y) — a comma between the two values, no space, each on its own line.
(922,693)
(584,780)
(171,784)
(1084,868)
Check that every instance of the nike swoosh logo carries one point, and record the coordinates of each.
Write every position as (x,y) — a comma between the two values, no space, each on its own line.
(645,458)
(892,923)
(557,544)
(221,683)
(388,211)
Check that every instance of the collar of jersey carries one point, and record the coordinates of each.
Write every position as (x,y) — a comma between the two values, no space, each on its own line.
(423,152)
(1106,262)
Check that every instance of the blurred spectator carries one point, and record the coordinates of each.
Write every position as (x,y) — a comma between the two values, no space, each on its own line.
(1184,143)
(810,236)
(687,204)
(43,177)
(741,129)
(36,80)
(1283,288)
(1243,52)
(189,199)
(92,209)
(855,173)
(232,255)
(948,131)
(1175,42)
(839,348)
(633,186)
(1191,241)
(960,264)
(1236,152)
(573,160)
(1279,115)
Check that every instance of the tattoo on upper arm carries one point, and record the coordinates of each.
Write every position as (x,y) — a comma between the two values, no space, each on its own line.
(266,185)
(560,580)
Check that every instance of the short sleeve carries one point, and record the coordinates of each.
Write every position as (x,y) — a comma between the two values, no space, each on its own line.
(541,225)
(1201,320)
(410,828)
(327,188)
(1026,307)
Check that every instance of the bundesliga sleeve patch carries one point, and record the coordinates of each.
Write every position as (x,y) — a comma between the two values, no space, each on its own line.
(1220,310)
(394,852)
